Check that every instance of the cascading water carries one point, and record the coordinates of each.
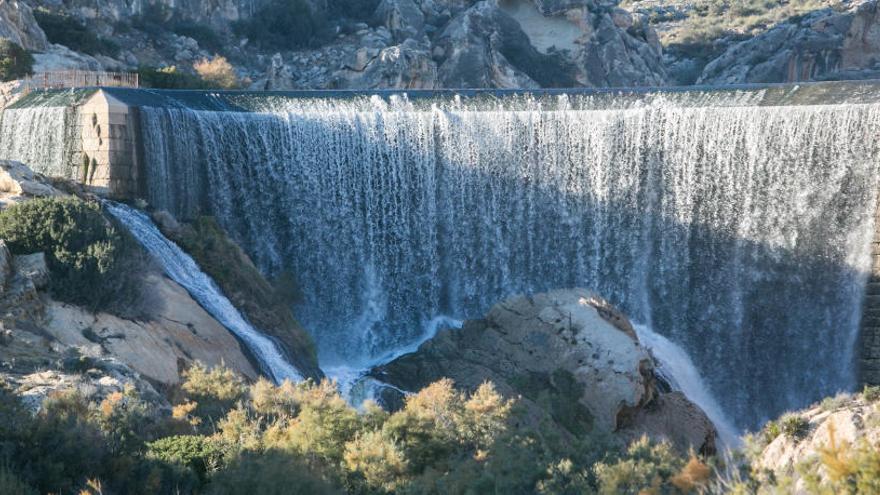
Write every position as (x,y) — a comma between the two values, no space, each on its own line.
(741,232)
(675,366)
(181,268)
(39,136)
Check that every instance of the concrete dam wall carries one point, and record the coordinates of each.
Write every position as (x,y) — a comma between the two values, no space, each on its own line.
(738,222)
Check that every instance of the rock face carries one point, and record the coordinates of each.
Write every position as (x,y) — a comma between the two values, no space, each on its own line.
(824,45)
(851,419)
(422,44)
(571,345)
(19,182)
(17,24)
(173,330)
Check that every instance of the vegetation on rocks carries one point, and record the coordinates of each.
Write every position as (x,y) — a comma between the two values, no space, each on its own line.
(281,25)
(93,263)
(15,61)
(218,73)
(65,30)
(304,438)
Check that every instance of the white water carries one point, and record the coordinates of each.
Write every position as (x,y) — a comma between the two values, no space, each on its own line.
(740,232)
(40,138)
(181,268)
(675,366)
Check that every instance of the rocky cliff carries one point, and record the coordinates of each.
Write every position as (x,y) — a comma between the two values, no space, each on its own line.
(572,358)
(428,44)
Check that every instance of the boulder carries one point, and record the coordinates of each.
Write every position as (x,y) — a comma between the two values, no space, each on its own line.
(402,17)
(477,44)
(17,179)
(565,345)
(406,66)
(173,329)
(59,57)
(32,267)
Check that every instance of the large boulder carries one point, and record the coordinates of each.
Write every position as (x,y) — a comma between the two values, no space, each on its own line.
(402,17)
(824,45)
(569,355)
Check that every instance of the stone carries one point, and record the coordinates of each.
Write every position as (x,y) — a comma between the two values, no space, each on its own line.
(32,267)
(408,65)
(851,419)
(17,179)
(402,18)
(526,344)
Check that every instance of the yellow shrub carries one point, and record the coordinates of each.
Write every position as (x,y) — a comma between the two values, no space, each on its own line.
(218,72)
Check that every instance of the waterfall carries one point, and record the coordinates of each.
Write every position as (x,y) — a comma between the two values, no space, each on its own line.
(739,232)
(41,137)
(181,268)
(675,366)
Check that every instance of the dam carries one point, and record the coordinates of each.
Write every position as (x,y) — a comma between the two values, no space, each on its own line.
(737,222)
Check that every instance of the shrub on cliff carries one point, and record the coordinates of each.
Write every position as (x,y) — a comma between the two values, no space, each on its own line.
(281,25)
(92,263)
(218,73)
(15,61)
(65,30)
(169,78)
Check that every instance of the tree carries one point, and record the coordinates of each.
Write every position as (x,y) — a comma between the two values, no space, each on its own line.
(15,61)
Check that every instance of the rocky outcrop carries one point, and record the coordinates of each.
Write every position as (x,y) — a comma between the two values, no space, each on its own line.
(172,331)
(569,355)
(18,182)
(17,24)
(800,437)
(405,66)
(824,45)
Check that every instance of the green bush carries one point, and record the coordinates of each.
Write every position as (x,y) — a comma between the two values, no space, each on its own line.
(794,426)
(10,484)
(169,78)
(281,25)
(270,473)
(92,262)
(15,61)
(65,30)
(198,453)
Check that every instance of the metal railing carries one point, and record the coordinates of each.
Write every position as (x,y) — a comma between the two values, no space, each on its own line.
(80,78)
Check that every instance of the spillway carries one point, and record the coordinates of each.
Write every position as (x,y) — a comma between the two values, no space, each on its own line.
(737,223)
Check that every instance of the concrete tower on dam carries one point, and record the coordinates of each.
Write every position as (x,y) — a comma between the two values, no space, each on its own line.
(109,133)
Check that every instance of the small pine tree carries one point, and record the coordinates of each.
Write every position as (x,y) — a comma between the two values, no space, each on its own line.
(15,61)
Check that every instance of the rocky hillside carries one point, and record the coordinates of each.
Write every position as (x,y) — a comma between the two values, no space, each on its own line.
(154,329)
(350,44)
